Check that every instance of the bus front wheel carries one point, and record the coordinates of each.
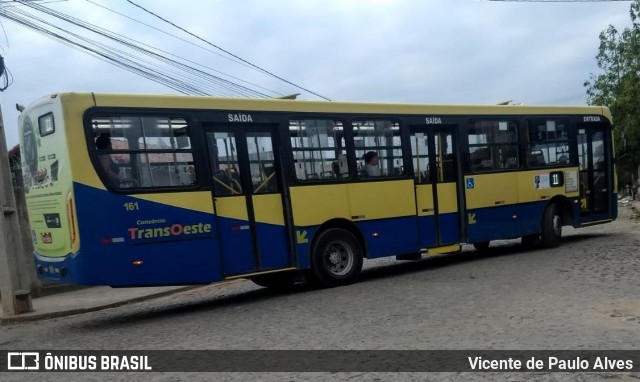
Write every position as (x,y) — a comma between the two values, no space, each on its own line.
(551,227)
(336,258)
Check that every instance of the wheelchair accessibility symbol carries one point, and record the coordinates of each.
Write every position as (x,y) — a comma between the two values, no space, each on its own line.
(470,184)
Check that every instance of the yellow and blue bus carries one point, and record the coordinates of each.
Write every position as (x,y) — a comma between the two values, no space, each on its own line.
(141,190)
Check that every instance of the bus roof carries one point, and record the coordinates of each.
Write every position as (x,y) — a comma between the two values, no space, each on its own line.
(286,105)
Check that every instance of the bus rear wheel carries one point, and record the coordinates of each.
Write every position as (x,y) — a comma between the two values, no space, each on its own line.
(277,281)
(336,258)
(551,227)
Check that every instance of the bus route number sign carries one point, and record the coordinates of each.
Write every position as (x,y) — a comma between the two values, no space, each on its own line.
(556,178)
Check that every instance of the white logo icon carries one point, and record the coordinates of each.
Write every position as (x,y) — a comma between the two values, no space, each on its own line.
(23,361)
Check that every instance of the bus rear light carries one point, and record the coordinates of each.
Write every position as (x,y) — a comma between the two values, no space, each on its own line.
(137,262)
(72,222)
(111,240)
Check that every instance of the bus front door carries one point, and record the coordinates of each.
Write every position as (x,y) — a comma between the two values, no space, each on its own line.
(436,172)
(252,233)
(596,184)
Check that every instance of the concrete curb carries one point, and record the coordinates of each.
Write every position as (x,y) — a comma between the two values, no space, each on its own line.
(73,312)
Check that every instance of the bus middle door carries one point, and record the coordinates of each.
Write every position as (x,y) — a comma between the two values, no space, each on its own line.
(248,203)
(435,166)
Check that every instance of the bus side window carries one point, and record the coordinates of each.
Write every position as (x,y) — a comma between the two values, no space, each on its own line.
(548,143)
(318,146)
(378,148)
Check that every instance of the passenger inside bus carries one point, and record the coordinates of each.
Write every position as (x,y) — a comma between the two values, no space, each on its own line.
(103,142)
(371,168)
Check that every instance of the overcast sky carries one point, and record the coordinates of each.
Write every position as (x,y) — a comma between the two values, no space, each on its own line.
(418,51)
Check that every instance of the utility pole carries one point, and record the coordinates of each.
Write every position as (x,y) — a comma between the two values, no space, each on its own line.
(14,281)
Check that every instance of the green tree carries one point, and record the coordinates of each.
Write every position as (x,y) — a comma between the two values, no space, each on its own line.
(618,87)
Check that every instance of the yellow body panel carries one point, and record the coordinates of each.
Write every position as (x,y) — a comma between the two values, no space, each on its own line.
(74,105)
(447,198)
(424,199)
(197,201)
(492,190)
(380,200)
(234,207)
(268,209)
(193,102)
(314,205)
(527,191)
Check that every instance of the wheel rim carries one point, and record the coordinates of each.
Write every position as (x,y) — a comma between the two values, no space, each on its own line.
(339,258)
(557,225)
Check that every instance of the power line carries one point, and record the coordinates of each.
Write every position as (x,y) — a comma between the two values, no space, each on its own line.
(116,57)
(225,51)
(131,62)
(188,42)
(122,40)
(132,66)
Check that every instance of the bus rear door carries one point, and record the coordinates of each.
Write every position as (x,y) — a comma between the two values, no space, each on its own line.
(252,229)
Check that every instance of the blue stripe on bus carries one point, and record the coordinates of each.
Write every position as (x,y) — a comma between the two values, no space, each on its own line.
(394,236)
(426,231)
(497,223)
(236,245)
(273,246)
(110,240)
(450,228)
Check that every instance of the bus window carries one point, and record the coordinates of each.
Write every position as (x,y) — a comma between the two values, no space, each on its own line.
(224,163)
(262,164)
(318,147)
(420,155)
(378,148)
(46,125)
(548,143)
(493,145)
(144,152)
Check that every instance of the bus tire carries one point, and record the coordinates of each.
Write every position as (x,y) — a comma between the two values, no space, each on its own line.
(278,281)
(551,227)
(482,246)
(336,258)
(530,241)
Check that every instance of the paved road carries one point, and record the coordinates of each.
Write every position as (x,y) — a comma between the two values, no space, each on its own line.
(583,295)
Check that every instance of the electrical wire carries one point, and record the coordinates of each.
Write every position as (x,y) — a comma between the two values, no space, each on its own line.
(130,66)
(6,79)
(191,43)
(240,90)
(224,50)
(187,80)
